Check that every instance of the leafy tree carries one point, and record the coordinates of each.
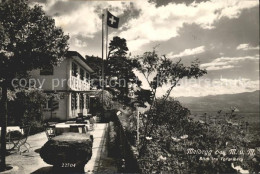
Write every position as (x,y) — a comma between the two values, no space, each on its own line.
(96,64)
(158,72)
(29,40)
(117,47)
(26,106)
(118,69)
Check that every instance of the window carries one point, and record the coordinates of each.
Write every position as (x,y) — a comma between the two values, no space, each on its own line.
(51,104)
(74,99)
(74,69)
(87,77)
(81,101)
(87,102)
(48,70)
(82,74)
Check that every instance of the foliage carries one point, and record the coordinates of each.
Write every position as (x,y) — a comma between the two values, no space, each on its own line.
(117,47)
(118,70)
(96,64)
(26,107)
(168,144)
(158,72)
(143,96)
(36,127)
(29,40)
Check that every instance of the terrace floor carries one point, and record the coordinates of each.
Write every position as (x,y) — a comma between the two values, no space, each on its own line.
(31,162)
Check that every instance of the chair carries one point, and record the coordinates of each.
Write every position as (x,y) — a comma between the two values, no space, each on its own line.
(92,122)
(78,128)
(12,138)
(23,141)
(50,131)
(95,120)
(20,140)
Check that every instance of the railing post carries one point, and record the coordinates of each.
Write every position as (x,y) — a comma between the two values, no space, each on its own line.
(137,141)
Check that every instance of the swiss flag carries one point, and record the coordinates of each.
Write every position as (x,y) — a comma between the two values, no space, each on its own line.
(112,21)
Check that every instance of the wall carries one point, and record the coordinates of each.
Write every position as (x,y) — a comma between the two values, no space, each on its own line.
(120,148)
(57,81)
(60,113)
(62,79)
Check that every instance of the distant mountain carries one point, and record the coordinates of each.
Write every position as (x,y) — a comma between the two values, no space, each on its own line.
(245,102)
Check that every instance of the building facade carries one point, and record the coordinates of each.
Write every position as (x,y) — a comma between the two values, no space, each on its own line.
(68,85)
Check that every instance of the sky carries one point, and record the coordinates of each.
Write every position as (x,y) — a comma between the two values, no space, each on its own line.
(222,34)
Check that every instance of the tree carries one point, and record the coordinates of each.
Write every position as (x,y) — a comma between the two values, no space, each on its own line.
(158,72)
(29,40)
(117,48)
(118,69)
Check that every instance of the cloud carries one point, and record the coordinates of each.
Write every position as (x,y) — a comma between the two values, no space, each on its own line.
(81,17)
(162,23)
(77,42)
(152,24)
(188,52)
(227,62)
(218,86)
(246,47)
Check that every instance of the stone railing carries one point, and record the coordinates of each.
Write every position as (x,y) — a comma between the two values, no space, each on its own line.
(120,147)
(78,84)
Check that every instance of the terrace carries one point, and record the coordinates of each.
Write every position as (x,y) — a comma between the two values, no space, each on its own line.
(31,162)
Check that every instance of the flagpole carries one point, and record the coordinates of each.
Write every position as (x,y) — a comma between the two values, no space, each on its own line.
(106,35)
(102,65)
(105,66)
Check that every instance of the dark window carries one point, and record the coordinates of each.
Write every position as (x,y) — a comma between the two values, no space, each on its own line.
(74,69)
(48,70)
(87,102)
(51,104)
(81,101)
(54,105)
(45,105)
(87,77)
(74,99)
(82,74)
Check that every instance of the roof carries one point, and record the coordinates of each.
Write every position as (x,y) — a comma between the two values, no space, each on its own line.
(79,58)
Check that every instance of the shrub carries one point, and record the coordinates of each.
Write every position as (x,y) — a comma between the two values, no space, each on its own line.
(172,133)
(36,127)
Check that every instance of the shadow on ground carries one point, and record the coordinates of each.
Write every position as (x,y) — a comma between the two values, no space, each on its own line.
(53,170)
(44,170)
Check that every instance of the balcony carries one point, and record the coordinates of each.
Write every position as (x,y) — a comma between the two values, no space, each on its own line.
(78,84)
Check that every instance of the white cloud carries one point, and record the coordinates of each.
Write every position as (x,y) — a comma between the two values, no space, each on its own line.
(152,24)
(246,47)
(188,52)
(78,42)
(204,87)
(227,62)
(85,20)
(162,23)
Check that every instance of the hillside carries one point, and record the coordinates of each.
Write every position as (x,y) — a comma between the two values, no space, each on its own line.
(245,102)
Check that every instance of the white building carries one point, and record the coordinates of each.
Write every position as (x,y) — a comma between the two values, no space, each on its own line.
(71,81)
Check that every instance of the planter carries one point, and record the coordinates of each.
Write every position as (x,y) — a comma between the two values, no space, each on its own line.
(68,152)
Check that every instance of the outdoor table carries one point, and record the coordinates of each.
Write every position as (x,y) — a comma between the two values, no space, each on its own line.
(61,128)
(13,128)
(10,129)
(68,152)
